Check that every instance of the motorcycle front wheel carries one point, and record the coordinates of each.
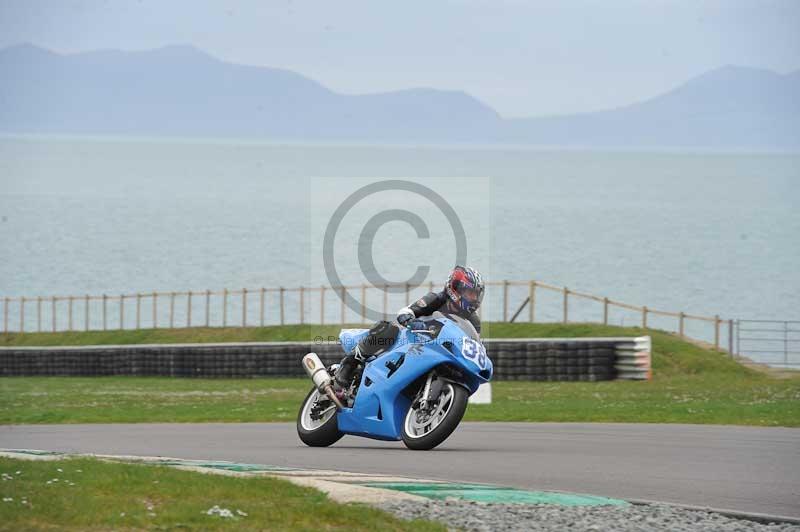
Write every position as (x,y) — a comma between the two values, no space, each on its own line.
(425,429)
(322,429)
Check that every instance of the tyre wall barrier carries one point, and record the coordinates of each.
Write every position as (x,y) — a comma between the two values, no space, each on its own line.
(559,359)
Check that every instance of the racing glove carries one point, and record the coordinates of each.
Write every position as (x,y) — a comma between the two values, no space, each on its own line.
(405,316)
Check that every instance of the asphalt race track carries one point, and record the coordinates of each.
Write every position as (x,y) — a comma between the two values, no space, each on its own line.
(747,469)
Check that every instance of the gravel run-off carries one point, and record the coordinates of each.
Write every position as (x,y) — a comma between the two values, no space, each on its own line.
(476,516)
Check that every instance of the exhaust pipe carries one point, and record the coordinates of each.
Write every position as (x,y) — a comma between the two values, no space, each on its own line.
(319,374)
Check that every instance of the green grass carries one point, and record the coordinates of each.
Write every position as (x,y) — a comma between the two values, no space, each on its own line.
(282,333)
(173,336)
(690,385)
(96,495)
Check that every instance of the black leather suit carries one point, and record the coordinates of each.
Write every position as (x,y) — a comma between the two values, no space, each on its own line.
(383,334)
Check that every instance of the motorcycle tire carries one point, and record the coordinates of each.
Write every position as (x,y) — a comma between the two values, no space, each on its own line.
(321,436)
(444,428)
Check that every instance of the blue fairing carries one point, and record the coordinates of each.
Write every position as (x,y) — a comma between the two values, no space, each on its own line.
(380,406)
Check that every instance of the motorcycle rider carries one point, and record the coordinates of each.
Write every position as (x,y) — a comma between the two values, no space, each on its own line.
(462,295)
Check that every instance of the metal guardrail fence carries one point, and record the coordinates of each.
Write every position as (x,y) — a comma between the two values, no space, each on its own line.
(514,301)
(773,342)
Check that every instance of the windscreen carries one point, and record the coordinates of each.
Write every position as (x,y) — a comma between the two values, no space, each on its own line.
(464,325)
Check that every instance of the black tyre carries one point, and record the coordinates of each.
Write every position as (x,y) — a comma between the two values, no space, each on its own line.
(321,432)
(452,404)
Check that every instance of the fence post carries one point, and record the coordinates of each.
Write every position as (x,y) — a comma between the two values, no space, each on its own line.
(531,301)
(122,311)
(53,311)
(644,317)
(386,301)
(430,289)
(282,290)
(22,314)
(105,298)
(138,310)
(605,311)
(342,295)
(5,315)
(681,319)
(261,306)
(716,332)
(86,312)
(189,309)
(730,337)
(566,304)
(155,310)
(208,307)
(302,305)
(40,312)
(322,305)
(364,302)
(172,310)
(244,307)
(69,313)
(505,301)
(785,343)
(225,307)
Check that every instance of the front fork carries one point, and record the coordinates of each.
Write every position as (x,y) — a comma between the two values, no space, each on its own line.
(431,390)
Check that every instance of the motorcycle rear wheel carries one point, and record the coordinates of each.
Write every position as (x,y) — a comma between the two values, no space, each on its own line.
(422,434)
(317,433)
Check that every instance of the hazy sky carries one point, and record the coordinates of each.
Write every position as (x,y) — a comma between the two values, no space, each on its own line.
(522,58)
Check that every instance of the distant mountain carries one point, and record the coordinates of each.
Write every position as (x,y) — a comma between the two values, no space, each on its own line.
(181,91)
(727,107)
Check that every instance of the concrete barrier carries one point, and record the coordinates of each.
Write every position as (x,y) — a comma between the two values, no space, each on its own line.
(539,359)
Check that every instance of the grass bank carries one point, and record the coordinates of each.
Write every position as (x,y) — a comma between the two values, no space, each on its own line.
(95,495)
(285,333)
(690,385)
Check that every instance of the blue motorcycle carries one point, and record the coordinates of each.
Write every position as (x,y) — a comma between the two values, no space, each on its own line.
(415,391)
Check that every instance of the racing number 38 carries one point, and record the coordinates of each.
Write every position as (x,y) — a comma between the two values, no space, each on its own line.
(474,351)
